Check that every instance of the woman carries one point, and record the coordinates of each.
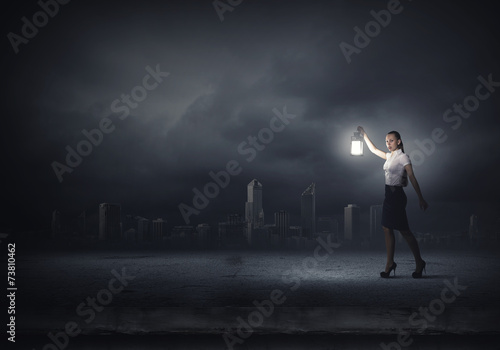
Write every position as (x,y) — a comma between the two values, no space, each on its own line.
(397,169)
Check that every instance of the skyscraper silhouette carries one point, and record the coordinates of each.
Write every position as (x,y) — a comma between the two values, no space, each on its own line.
(254,214)
(308,211)
(253,207)
(109,221)
(159,230)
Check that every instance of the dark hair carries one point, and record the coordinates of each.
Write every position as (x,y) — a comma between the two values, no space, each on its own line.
(398,137)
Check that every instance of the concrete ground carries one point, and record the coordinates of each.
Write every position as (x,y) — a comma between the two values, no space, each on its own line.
(257,299)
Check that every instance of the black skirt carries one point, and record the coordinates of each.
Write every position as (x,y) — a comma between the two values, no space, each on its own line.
(394,209)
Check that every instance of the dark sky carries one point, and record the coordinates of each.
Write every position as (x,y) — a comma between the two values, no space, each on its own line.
(225,79)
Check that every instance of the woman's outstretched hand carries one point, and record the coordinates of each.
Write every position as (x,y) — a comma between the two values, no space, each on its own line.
(423,204)
(361,130)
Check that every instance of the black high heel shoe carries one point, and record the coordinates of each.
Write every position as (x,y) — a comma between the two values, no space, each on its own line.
(418,274)
(384,274)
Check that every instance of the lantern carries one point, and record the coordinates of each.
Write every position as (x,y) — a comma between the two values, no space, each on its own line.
(357,144)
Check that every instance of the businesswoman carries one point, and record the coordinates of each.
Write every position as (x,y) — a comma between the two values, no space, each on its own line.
(397,169)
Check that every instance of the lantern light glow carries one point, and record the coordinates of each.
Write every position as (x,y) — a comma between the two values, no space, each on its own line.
(356,144)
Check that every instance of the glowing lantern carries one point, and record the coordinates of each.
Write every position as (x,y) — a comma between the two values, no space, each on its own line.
(357,144)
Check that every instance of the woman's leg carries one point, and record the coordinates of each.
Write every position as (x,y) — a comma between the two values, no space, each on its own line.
(413,244)
(390,244)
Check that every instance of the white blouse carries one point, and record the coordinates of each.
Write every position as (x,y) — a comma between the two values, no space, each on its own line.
(394,167)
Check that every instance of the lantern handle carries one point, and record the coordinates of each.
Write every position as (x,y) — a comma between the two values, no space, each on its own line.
(361,131)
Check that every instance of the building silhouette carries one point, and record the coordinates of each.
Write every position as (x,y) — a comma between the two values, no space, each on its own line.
(159,230)
(282,223)
(68,225)
(130,235)
(260,236)
(473,227)
(203,238)
(233,232)
(182,236)
(295,231)
(109,222)
(308,211)
(352,232)
(143,229)
(254,213)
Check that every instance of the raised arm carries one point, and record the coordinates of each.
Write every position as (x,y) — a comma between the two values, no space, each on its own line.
(414,182)
(370,144)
